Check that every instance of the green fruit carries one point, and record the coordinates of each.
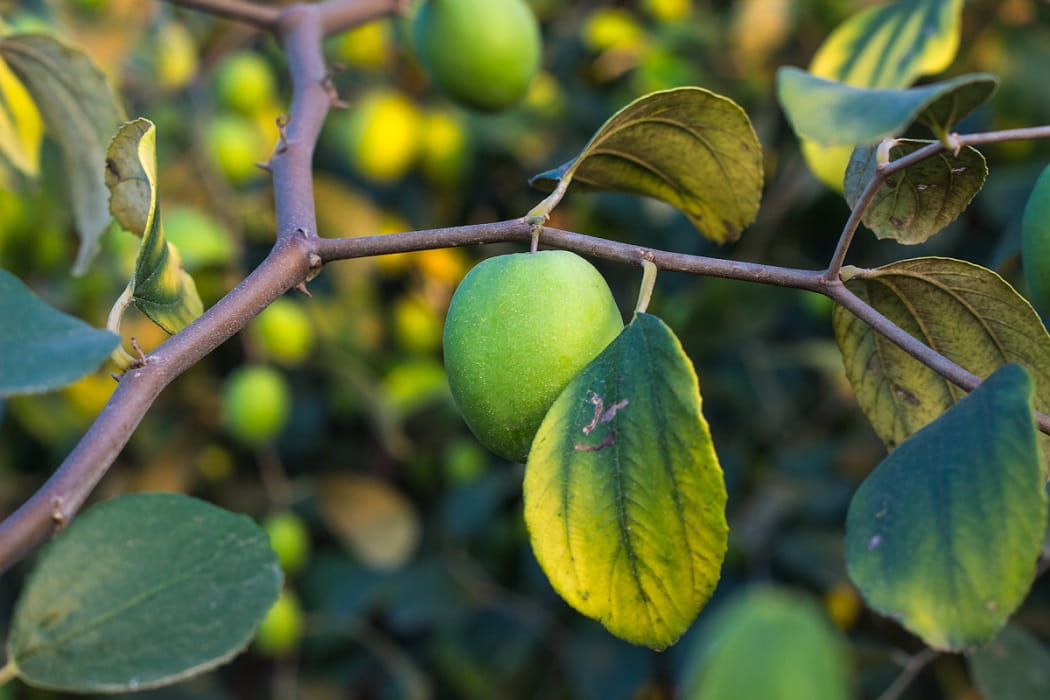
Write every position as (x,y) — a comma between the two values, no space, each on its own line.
(282,628)
(245,82)
(1035,243)
(518,329)
(290,539)
(235,146)
(200,239)
(481,52)
(284,330)
(255,401)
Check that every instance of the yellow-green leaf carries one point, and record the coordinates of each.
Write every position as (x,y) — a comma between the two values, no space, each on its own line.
(887,46)
(967,313)
(945,534)
(21,127)
(81,114)
(687,146)
(160,287)
(624,496)
(920,200)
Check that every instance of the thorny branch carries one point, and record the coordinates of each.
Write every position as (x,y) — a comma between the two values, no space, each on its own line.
(299,253)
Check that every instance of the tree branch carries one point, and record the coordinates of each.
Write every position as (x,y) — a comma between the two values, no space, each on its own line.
(262,16)
(882,173)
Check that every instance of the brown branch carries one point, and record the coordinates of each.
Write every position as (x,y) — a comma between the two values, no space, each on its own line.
(262,16)
(298,254)
(911,669)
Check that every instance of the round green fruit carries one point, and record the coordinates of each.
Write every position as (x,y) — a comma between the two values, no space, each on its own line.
(256,402)
(519,328)
(1035,243)
(289,539)
(245,82)
(285,332)
(483,53)
(282,629)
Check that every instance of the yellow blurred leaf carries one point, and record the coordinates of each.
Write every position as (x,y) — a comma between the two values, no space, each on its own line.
(371,519)
(21,128)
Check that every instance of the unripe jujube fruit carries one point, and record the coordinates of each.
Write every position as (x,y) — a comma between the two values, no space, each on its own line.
(519,327)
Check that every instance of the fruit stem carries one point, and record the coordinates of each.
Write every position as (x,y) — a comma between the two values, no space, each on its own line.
(8,672)
(645,293)
(120,356)
(539,214)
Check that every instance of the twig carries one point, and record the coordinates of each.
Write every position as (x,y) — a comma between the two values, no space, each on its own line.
(915,664)
(882,173)
(258,15)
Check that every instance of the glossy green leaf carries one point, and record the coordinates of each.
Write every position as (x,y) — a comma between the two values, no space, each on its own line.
(920,200)
(81,114)
(624,496)
(42,348)
(142,591)
(832,113)
(162,289)
(687,146)
(798,652)
(967,313)
(945,534)
(1014,666)
(886,46)
(1035,242)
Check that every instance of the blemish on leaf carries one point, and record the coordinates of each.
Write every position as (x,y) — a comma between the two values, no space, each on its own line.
(607,441)
(960,169)
(874,542)
(602,414)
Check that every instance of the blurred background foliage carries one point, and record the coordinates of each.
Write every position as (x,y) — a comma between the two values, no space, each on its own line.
(329,418)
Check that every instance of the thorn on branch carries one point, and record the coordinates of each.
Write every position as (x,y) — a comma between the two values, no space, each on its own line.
(115,376)
(264,165)
(282,123)
(57,516)
(140,361)
(329,87)
(302,288)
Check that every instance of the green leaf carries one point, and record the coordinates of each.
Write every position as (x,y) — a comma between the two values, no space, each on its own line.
(624,497)
(142,591)
(801,655)
(920,200)
(42,348)
(887,46)
(1035,242)
(80,113)
(1014,666)
(967,313)
(832,113)
(161,288)
(944,534)
(688,146)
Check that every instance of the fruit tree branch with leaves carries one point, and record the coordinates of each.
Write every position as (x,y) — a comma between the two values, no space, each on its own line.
(894,344)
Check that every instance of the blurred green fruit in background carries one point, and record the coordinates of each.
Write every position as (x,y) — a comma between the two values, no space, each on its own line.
(483,53)
(201,240)
(290,539)
(284,331)
(384,136)
(245,82)
(256,402)
(282,629)
(235,146)
(518,329)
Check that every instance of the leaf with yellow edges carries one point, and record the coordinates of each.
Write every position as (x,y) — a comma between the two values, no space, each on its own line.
(887,46)
(160,287)
(624,496)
